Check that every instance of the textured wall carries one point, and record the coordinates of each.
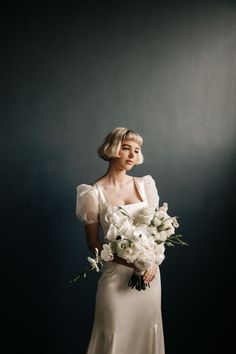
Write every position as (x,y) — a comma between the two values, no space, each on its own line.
(71,74)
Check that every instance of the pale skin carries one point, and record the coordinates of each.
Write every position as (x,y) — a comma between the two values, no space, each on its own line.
(120,190)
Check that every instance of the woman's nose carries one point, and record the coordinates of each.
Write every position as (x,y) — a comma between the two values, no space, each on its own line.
(131,153)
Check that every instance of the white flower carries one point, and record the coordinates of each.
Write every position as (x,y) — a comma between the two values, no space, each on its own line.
(106,253)
(164,207)
(93,263)
(145,216)
(170,231)
(112,233)
(160,214)
(139,240)
(140,231)
(167,222)
(156,221)
(163,235)
(175,222)
(113,216)
(153,231)
(122,246)
(127,229)
(130,254)
(160,249)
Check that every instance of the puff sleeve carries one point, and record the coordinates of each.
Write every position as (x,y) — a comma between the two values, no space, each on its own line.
(151,191)
(87,207)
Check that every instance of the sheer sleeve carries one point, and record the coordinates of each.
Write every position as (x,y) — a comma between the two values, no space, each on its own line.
(87,208)
(151,191)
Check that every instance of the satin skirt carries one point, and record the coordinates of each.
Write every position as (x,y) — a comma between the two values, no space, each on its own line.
(126,321)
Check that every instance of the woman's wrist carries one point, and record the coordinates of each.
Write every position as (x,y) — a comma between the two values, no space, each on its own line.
(120,260)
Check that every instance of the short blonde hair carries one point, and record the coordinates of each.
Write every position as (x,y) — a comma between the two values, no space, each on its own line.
(113,140)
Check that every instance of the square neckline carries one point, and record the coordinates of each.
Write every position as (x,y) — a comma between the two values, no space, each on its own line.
(122,205)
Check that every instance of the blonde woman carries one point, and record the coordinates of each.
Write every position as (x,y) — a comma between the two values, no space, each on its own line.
(126,321)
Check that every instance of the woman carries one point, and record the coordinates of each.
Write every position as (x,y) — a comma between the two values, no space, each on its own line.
(126,321)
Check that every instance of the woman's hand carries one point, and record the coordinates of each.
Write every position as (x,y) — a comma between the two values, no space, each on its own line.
(149,275)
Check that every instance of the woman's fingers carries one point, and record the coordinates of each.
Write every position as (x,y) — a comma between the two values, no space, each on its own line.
(149,275)
(147,278)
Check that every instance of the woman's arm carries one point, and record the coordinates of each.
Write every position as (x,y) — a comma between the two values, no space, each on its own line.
(120,260)
(92,237)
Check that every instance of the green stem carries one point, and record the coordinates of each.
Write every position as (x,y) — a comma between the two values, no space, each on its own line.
(82,274)
(176,239)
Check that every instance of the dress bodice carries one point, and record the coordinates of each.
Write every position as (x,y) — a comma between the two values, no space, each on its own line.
(131,208)
(92,201)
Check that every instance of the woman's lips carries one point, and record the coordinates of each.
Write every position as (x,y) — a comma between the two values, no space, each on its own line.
(129,162)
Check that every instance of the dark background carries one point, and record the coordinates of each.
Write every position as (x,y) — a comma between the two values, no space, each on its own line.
(69,74)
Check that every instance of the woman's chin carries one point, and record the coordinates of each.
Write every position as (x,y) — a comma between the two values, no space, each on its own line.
(128,168)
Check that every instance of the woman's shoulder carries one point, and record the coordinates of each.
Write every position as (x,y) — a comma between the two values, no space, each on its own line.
(150,189)
(84,188)
(87,207)
(145,179)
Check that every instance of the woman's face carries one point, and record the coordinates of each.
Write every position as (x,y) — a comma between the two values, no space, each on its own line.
(128,154)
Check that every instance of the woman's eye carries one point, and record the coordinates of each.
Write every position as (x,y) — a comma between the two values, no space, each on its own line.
(126,148)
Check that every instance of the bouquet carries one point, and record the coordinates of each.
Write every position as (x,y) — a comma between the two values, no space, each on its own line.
(139,240)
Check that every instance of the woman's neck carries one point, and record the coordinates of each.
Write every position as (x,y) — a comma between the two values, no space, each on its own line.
(116,177)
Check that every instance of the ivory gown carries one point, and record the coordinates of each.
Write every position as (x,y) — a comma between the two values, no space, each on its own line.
(126,321)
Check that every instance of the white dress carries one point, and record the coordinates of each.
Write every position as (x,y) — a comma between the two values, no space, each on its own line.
(126,321)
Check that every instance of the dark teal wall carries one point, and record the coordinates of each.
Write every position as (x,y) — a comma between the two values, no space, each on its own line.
(72,73)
